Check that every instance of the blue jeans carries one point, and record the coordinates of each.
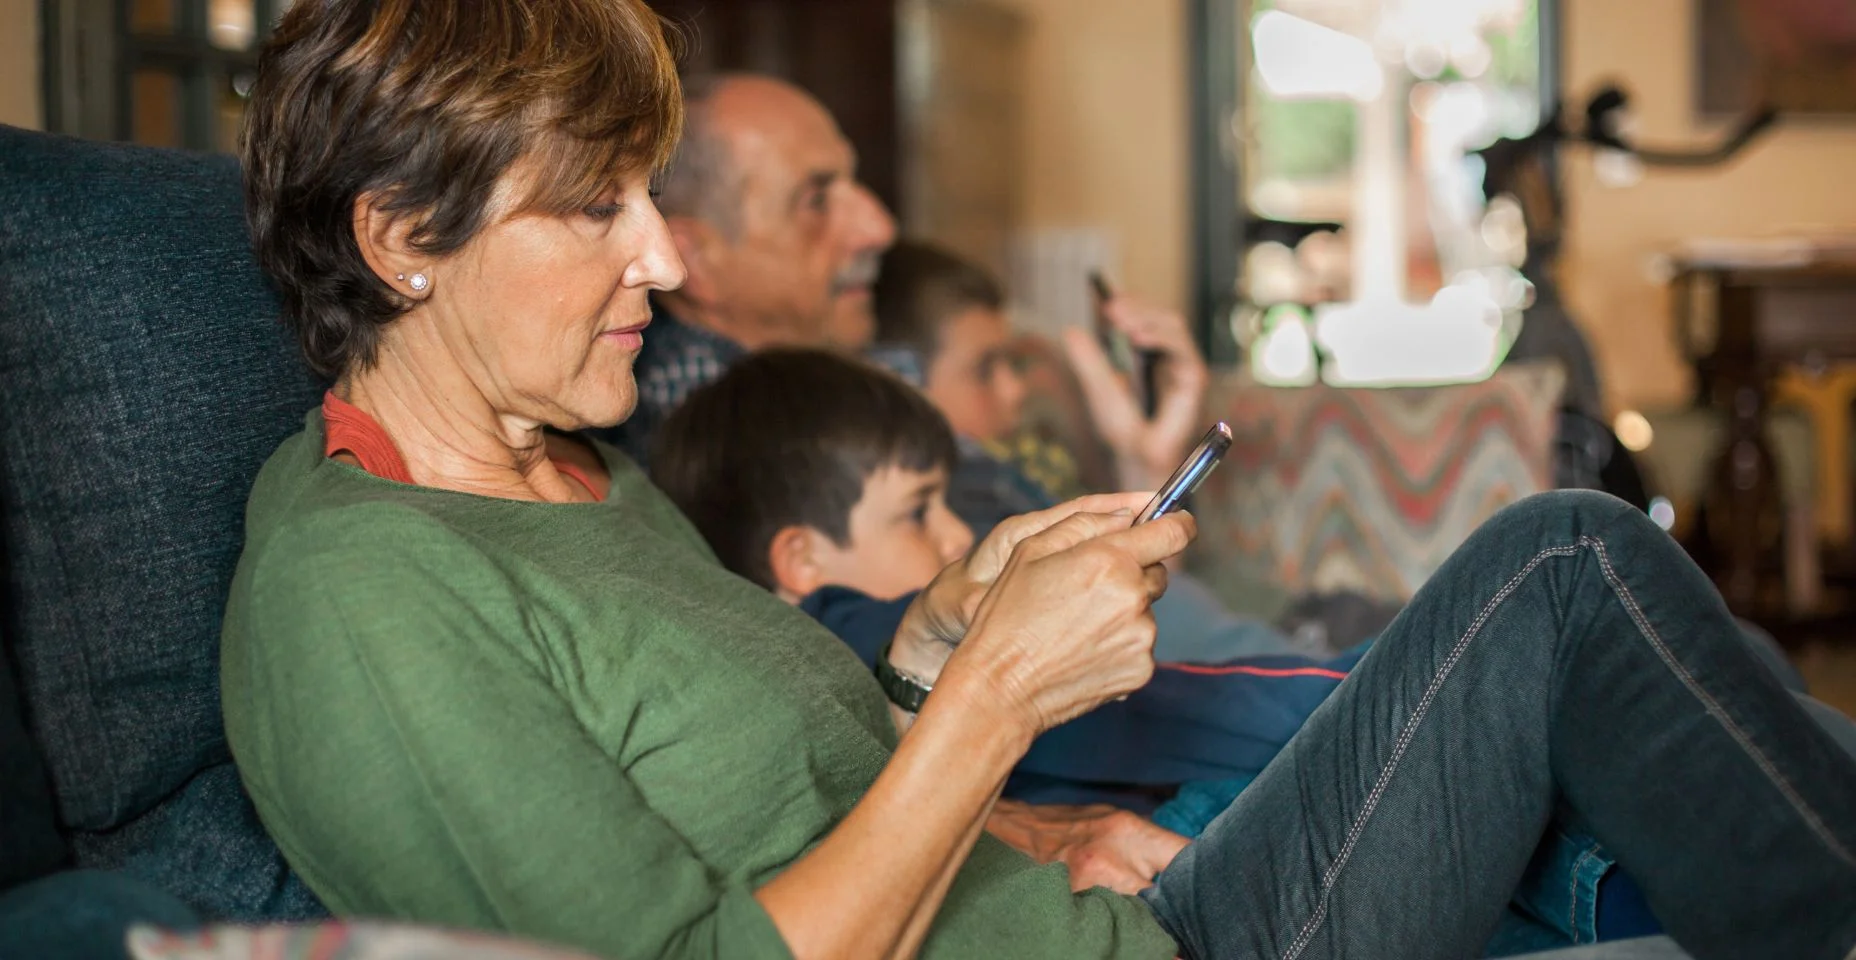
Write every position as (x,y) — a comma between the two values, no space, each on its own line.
(1568,670)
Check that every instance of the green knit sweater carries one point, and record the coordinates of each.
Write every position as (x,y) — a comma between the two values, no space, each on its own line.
(567,722)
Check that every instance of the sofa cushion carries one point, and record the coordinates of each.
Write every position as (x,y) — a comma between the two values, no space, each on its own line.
(28,833)
(1366,490)
(144,378)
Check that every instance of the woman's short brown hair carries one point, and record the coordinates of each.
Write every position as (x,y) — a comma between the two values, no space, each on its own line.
(425,105)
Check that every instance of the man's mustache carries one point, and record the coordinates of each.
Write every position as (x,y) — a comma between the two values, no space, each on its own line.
(857,274)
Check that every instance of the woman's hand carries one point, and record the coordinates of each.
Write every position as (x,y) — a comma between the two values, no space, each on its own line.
(938,619)
(1063,626)
(1102,846)
(1067,625)
(1146,451)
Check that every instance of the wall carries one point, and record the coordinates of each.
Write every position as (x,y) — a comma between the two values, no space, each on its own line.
(1106,143)
(1799,177)
(20,103)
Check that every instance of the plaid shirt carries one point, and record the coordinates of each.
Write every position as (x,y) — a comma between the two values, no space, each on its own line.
(678,358)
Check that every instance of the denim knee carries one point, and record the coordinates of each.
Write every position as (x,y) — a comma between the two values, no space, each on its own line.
(1578,511)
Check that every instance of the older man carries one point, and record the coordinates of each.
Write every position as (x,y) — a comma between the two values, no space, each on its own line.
(780,240)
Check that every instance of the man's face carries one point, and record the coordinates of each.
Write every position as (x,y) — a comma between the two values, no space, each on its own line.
(799,269)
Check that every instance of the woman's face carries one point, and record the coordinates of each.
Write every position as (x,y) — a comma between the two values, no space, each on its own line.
(546,313)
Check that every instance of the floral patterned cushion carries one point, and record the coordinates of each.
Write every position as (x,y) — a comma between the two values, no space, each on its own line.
(336,941)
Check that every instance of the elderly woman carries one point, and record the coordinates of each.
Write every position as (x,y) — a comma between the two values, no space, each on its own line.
(479,672)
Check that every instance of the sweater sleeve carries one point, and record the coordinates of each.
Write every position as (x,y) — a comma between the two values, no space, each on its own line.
(400,735)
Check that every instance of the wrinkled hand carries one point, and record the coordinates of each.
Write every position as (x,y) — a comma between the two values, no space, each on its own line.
(1067,624)
(1102,846)
(1146,451)
(939,618)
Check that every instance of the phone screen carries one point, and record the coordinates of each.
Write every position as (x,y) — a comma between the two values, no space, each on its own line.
(1198,465)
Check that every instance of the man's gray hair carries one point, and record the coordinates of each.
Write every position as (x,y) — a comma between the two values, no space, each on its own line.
(703,181)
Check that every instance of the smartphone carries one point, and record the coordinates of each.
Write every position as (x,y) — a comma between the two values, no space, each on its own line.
(1114,342)
(1141,365)
(1198,465)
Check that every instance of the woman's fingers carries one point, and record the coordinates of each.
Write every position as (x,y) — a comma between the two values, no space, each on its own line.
(1109,502)
(1067,625)
(1151,542)
(1156,577)
(1073,530)
(1101,846)
(989,558)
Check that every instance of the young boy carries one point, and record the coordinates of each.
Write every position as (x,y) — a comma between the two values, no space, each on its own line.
(823,479)
(805,470)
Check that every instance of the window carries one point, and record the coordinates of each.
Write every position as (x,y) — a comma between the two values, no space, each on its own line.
(168,73)
(1342,138)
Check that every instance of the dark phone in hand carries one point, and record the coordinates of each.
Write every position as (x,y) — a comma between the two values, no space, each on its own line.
(1142,365)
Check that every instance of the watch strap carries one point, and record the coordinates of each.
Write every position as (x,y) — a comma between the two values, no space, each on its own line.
(904,691)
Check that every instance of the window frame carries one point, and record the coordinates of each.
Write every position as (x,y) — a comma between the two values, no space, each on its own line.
(1218,63)
(91,57)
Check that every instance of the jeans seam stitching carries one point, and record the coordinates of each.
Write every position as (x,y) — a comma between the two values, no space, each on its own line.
(1418,715)
(1642,620)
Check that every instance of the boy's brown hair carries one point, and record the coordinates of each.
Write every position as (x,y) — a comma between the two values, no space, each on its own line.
(920,287)
(788,438)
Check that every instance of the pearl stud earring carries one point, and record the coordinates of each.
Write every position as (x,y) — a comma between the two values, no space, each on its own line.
(419,283)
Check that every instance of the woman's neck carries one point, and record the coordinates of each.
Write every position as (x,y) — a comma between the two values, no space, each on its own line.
(451,434)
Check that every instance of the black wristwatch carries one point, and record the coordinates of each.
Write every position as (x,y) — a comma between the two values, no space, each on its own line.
(904,691)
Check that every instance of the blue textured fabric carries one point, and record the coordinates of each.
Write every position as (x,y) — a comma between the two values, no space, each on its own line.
(1197,804)
(144,378)
(30,845)
(84,915)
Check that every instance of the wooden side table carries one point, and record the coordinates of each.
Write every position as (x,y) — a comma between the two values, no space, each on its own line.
(1742,325)
(1825,396)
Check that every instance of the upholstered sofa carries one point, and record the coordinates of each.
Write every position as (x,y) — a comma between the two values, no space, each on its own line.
(143,381)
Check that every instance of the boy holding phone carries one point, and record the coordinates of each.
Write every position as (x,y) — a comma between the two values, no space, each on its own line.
(951,315)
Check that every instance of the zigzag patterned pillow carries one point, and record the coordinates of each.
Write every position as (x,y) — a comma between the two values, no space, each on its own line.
(1367,489)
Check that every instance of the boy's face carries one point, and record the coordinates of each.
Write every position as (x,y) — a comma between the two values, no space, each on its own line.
(972,378)
(901,535)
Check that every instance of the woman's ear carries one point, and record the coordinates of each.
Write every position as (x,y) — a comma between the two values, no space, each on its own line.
(385,242)
(793,558)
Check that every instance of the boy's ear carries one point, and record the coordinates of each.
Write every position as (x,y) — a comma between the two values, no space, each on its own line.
(793,558)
